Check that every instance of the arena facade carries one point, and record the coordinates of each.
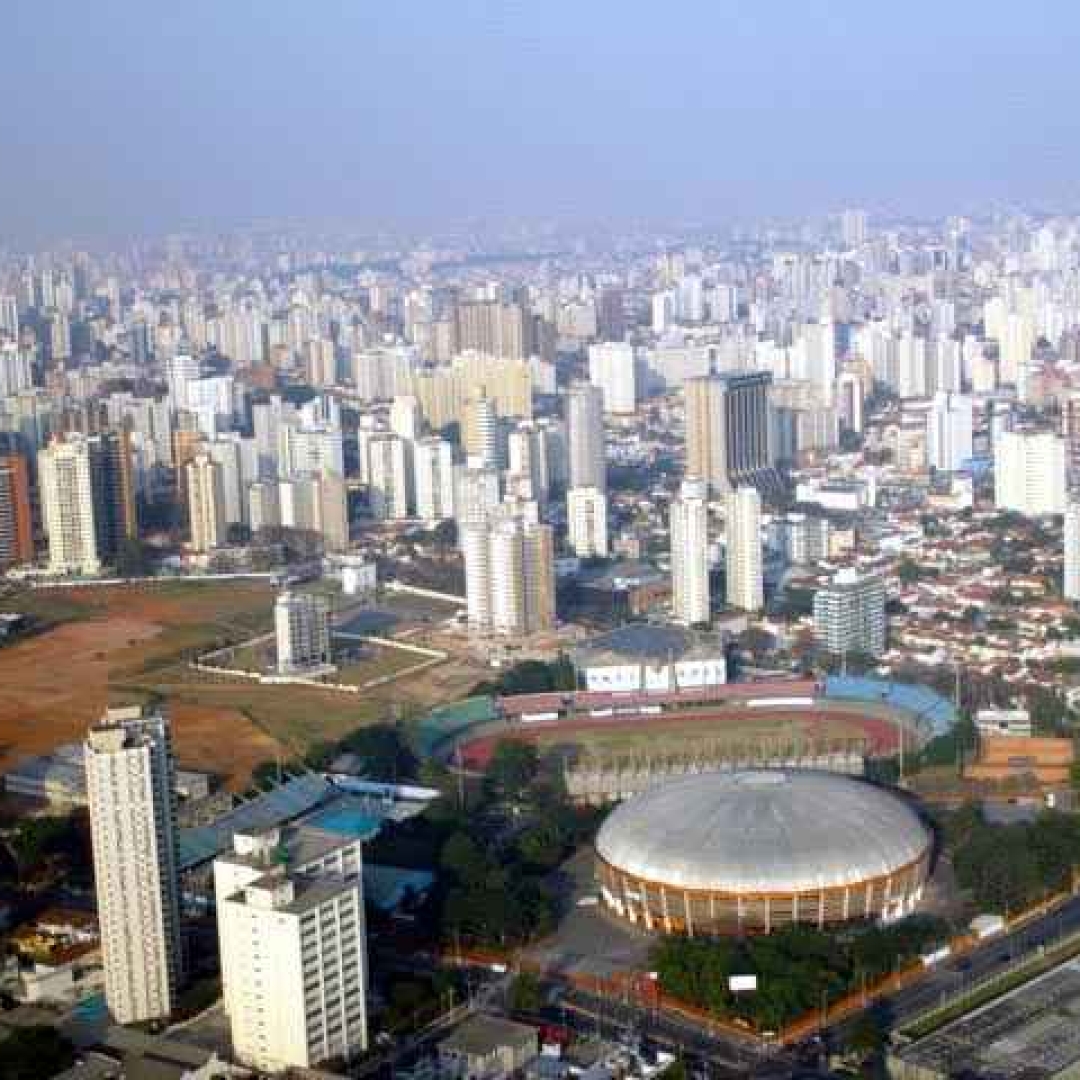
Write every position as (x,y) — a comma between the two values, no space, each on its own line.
(756,850)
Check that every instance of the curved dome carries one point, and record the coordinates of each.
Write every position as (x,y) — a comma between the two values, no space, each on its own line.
(762,831)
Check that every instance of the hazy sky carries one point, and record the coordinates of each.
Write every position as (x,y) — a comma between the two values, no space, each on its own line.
(146,114)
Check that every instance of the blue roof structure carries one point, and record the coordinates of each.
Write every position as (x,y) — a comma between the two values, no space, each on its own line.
(933,714)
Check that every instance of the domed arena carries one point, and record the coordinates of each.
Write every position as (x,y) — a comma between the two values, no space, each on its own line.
(757,850)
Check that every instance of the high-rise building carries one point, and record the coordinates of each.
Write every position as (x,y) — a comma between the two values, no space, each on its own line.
(587,525)
(264,506)
(388,477)
(480,433)
(67,507)
(849,614)
(1071,553)
(743,563)
(302,633)
(493,328)
(16,523)
(585,437)
(728,423)
(949,425)
(853,228)
(406,419)
(509,576)
(1029,473)
(293,950)
(206,503)
(613,368)
(690,554)
(433,466)
(129,787)
(476,494)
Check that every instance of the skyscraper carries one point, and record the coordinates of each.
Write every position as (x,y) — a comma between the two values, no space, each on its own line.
(509,576)
(613,368)
(16,523)
(728,429)
(585,436)
(388,477)
(849,614)
(1071,553)
(587,525)
(70,506)
(480,433)
(206,503)
(129,785)
(690,554)
(949,426)
(301,633)
(745,588)
(1029,473)
(853,228)
(433,465)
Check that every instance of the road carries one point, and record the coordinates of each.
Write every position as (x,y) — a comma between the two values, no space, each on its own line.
(952,977)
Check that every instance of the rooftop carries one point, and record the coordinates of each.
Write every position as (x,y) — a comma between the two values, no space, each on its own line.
(1032,1032)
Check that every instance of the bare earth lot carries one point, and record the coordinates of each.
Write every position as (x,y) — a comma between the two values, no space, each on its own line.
(125,644)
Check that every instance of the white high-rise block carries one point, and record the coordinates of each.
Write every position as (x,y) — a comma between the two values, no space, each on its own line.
(129,787)
(1029,473)
(689,554)
(613,368)
(433,482)
(301,632)
(586,514)
(1071,554)
(745,588)
(949,426)
(293,951)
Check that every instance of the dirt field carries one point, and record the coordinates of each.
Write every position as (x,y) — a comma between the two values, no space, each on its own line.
(105,645)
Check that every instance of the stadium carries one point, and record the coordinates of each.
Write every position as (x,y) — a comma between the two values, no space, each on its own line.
(759,849)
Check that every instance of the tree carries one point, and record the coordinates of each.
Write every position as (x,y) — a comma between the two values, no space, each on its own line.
(513,766)
(462,857)
(133,558)
(526,995)
(383,751)
(30,1053)
(445,535)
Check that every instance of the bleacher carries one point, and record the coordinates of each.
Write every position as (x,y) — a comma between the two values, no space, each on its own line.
(932,713)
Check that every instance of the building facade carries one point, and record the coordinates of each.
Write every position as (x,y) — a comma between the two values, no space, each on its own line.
(745,580)
(690,554)
(129,784)
(849,614)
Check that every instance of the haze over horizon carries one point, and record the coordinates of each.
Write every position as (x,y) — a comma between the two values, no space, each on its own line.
(124,120)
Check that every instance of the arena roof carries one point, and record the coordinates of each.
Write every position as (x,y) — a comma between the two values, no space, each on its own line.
(762,831)
(644,643)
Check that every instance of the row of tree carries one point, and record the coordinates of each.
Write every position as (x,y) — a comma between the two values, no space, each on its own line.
(798,969)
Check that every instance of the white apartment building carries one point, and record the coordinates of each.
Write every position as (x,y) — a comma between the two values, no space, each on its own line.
(586,515)
(206,503)
(689,554)
(293,948)
(509,576)
(388,477)
(613,368)
(69,506)
(1029,473)
(433,468)
(949,426)
(745,585)
(1071,554)
(129,786)
(302,633)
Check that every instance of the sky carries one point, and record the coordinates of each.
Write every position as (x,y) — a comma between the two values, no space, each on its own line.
(147,116)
